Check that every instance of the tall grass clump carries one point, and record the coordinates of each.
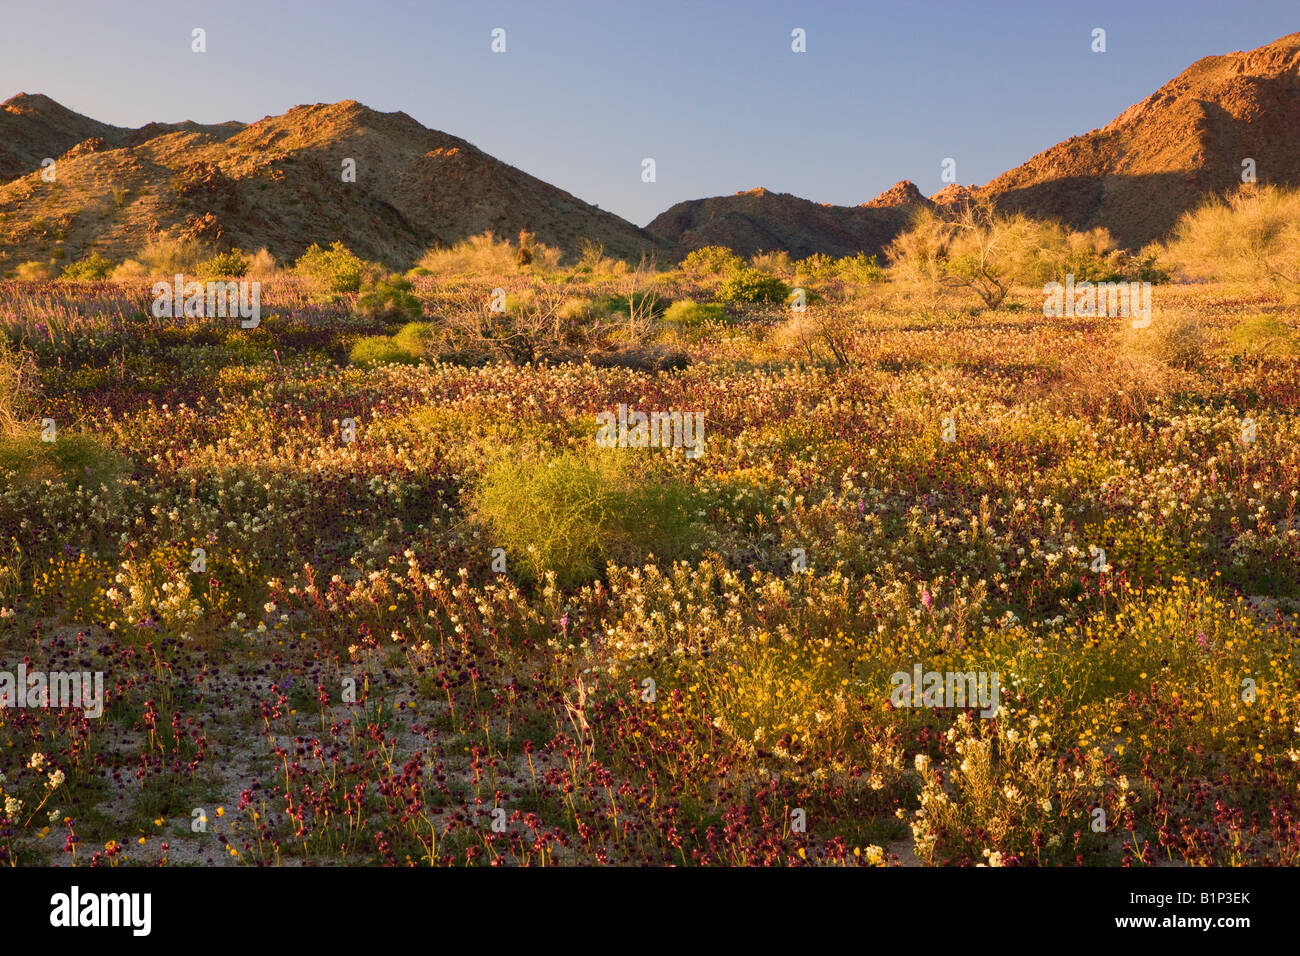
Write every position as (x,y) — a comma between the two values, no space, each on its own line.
(18,388)
(34,271)
(1253,235)
(170,257)
(574,513)
(487,254)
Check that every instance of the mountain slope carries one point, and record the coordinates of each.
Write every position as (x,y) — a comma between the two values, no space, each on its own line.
(1162,156)
(279,183)
(34,128)
(1135,176)
(759,220)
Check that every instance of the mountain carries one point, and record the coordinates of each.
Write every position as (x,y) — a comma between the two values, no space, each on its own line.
(1164,155)
(761,221)
(34,128)
(277,183)
(1135,176)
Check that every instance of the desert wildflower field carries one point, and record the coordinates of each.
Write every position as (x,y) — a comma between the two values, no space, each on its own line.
(389,577)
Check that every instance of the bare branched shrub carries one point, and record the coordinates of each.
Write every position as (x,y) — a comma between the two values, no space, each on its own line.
(1096,382)
(1175,339)
(821,335)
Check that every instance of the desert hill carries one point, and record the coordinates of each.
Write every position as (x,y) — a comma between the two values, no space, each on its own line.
(759,220)
(277,183)
(1135,176)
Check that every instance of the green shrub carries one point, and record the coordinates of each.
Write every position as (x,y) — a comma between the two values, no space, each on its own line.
(860,268)
(816,266)
(390,300)
(711,260)
(750,285)
(93,267)
(75,458)
(638,303)
(381,350)
(416,338)
(336,269)
(689,314)
(575,513)
(1262,336)
(225,265)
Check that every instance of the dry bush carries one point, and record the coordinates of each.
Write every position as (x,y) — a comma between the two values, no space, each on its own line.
(1177,340)
(170,257)
(485,254)
(129,269)
(1253,236)
(917,254)
(35,271)
(776,263)
(261,263)
(820,335)
(593,261)
(18,388)
(1120,382)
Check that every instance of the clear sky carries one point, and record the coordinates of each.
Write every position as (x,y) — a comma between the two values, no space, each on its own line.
(711,90)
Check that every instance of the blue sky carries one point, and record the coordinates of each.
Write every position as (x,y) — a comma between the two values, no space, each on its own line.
(710,90)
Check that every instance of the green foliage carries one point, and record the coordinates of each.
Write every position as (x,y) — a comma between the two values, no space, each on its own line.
(1262,336)
(93,267)
(336,269)
(75,458)
(689,314)
(711,260)
(416,338)
(391,300)
(859,268)
(574,513)
(381,350)
(750,285)
(640,304)
(225,265)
